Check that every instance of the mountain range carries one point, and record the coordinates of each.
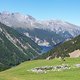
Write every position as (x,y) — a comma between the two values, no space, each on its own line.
(24,38)
(15,47)
(46,33)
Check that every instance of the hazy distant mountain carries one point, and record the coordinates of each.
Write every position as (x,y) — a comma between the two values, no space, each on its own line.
(45,33)
(15,47)
(64,50)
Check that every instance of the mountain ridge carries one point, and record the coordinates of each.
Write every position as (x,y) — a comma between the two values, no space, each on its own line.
(15,47)
(55,31)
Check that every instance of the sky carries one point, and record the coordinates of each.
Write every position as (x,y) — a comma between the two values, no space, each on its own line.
(65,10)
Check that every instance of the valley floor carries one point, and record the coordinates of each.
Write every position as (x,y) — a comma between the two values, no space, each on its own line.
(21,72)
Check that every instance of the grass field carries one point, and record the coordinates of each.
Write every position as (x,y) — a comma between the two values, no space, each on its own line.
(21,72)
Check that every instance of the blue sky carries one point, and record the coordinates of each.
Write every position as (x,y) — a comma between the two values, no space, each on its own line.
(67,10)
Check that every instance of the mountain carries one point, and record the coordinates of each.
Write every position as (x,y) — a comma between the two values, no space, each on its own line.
(15,47)
(64,50)
(45,33)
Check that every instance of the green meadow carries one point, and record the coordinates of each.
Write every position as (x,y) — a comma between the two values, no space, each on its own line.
(21,72)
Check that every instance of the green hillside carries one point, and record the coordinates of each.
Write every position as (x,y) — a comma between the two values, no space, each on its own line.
(64,49)
(21,72)
(15,47)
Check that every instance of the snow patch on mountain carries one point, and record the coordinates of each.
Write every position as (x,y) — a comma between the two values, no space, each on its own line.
(43,43)
(0,30)
(53,41)
(27,34)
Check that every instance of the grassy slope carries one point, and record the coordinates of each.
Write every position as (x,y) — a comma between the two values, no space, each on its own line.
(20,72)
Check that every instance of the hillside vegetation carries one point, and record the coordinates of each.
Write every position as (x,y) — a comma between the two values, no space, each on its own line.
(15,47)
(64,49)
